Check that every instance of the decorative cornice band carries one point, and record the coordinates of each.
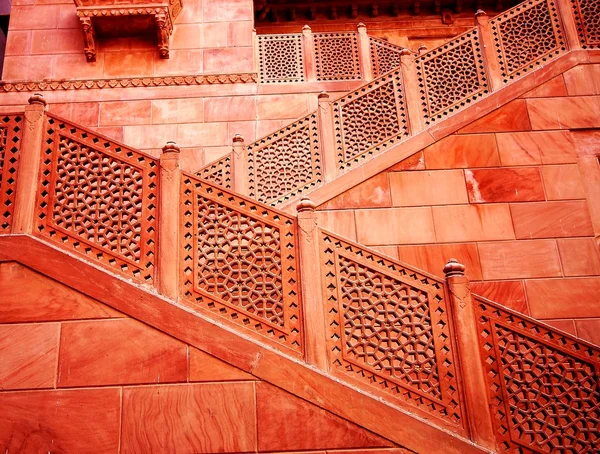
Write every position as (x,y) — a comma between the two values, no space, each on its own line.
(78,84)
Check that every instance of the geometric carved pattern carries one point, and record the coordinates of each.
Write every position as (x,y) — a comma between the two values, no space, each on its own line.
(527,36)
(219,172)
(285,163)
(451,76)
(544,385)
(385,56)
(280,58)
(370,119)
(98,197)
(11,129)
(336,56)
(240,262)
(587,18)
(389,330)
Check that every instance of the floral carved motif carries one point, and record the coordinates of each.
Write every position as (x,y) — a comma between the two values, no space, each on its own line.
(280,58)
(544,385)
(370,119)
(240,262)
(587,18)
(285,163)
(99,198)
(389,329)
(11,126)
(527,36)
(336,56)
(451,76)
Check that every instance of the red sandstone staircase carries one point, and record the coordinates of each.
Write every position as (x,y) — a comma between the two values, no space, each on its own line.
(411,357)
(425,99)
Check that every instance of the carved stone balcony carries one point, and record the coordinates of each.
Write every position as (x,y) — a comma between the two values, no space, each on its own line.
(119,18)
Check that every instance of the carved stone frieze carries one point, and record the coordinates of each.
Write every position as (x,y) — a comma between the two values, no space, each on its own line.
(79,84)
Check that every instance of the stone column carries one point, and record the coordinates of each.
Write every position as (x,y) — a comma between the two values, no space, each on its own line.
(492,66)
(327,137)
(412,92)
(310,280)
(29,165)
(479,416)
(364,52)
(168,222)
(308,54)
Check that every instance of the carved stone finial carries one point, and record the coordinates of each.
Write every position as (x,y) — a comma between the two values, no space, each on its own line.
(361,25)
(454,268)
(171,147)
(422,49)
(238,138)
(405,52)
(480,13)
(323,96)
(38,98)
(306,28)
(305,204)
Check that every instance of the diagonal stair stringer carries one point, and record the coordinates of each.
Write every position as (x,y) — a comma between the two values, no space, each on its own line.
(233,347)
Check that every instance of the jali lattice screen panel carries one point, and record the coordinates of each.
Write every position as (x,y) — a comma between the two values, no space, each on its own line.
(285,163)
(370,119)
(11,130)
(544,385)
(280,58)
(219,172)
(451,76)
(239,262)
(336,56)
(527,36)
(385,56)
(587,18)
(389,330)
(99,198)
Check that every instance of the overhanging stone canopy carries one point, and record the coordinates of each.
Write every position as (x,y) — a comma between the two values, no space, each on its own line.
(114,18)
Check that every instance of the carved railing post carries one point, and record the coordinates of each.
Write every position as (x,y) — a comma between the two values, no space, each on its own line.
(168,222)
(565,10)
(240,163)
(310,279)
(364,52)
(29,167)
(495,79)
(412,91)
(308,54)
(476,396)
(256,52)
(327,136)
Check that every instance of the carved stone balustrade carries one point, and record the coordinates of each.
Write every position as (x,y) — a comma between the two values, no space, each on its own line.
(119,18)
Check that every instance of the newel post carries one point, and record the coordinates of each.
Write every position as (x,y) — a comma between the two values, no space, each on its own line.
(567,15)
(308,54)
(412,91)
(310,279)
(364,52)
(327,136)
(168,222)
(494,73)
(479,416)
(239,161)
(29,166)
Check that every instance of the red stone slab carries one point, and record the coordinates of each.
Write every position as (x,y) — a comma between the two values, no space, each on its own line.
(287,423)
(64,421)
(198,418)
(28,296)
(28,356)
(111,352)
(504,185)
